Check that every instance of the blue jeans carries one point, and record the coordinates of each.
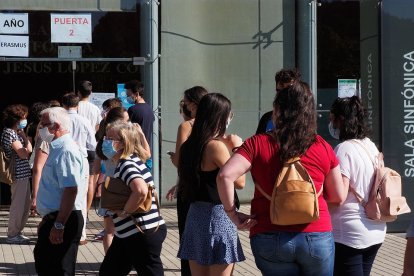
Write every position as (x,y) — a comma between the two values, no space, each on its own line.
(285,253)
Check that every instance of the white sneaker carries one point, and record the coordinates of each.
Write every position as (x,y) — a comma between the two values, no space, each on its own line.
(18,239)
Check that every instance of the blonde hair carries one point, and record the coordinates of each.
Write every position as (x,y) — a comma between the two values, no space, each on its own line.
(129,136)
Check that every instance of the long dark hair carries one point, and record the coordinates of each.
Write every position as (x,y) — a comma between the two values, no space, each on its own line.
(295,120)
(351,116)
(210,122)
(195,94)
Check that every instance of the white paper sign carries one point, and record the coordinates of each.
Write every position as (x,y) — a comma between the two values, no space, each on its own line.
(14,46)
(14,23)
(71,28)
(347,87)
(97,98)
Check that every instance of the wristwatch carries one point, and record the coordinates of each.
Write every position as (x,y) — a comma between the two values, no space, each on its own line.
(59,225)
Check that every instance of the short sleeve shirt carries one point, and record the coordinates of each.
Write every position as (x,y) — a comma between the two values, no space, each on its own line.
(127,170)
(64,168)
(262,152)
(22,169)
(350,224)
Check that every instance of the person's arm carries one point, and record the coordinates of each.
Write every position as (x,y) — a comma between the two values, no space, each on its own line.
(144,142)
(219,153)
(66,207)
(336,186)
(235,167)
(22,150)
(183,132)
(139,190)
(38,164)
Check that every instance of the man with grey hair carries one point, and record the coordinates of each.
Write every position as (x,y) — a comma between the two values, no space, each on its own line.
(59,199)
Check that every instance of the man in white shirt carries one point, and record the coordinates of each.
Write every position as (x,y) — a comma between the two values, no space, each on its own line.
(93,114)
(83,134)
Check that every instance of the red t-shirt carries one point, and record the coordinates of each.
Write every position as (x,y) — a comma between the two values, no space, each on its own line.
(262,153)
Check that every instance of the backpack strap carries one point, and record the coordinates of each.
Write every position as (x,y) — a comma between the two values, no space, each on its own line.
(357,142)
(360,198)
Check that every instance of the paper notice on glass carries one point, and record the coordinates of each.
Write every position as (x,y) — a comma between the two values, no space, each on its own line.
(347,87)
(14,46)
(97,98)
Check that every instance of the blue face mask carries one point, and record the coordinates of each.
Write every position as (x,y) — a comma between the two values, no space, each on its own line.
(130,100)
(108,149)
(22,124)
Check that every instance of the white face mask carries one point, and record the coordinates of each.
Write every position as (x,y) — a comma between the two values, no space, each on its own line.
(334,132)
(45,135)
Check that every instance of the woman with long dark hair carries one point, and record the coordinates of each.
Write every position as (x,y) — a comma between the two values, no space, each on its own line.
(301,249)
(357,238)
(210,241)
(188,110)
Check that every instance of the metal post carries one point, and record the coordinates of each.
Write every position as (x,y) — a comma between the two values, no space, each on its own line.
(73,74)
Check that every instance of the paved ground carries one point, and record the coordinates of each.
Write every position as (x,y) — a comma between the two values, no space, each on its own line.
(18,259)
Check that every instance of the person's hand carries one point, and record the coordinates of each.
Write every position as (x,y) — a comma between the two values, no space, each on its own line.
(242,220)
(171,154)
(138,127)
(171,193)
(120,213)
(21,133)
(56,235)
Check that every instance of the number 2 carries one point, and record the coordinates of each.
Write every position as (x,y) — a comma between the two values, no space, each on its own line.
(71,32)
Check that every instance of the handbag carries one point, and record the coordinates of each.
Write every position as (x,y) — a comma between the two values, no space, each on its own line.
(115,193)
(7,167)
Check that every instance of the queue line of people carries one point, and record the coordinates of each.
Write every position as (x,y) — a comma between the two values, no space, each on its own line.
(211,165)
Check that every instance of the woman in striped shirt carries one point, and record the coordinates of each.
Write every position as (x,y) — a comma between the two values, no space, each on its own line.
(144,233)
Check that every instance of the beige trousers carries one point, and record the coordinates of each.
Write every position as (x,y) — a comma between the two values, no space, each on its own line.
(20,206)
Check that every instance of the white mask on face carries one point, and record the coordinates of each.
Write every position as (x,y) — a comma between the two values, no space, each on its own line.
(334,132)
(45,135)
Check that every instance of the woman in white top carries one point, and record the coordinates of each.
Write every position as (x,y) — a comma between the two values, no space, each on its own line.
(357,238)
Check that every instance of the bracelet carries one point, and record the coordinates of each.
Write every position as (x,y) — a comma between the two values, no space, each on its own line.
(233,209)
(234,149)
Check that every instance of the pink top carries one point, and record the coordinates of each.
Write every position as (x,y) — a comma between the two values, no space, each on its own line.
(262,152)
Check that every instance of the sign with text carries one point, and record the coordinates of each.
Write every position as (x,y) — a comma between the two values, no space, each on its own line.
(397,62)
(347,88)
(71,28)
(14,23)
(14,46)
(97,98)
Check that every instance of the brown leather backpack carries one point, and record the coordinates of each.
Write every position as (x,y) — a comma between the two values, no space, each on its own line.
(294,199)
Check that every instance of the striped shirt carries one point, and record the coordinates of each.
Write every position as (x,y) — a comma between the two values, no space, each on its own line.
(22,169)
(127,170)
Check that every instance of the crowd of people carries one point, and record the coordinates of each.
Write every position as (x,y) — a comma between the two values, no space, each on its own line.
(63,153)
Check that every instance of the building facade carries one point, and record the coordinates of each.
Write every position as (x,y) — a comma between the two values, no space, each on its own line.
(234,47)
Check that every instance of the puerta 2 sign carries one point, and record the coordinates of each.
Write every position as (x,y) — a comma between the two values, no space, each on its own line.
(397,56)
(71,28)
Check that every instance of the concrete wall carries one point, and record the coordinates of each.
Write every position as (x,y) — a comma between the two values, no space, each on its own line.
(233,47)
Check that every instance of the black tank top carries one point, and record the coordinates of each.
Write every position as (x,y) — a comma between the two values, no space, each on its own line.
(207,191)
